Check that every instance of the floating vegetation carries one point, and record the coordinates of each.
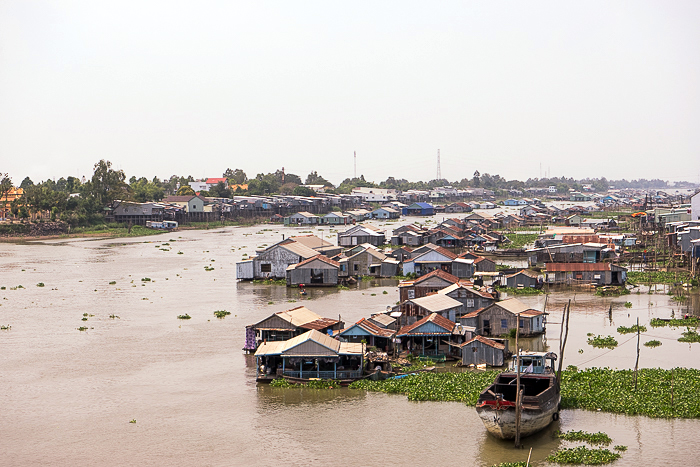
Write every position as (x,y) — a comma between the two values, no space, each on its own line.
(620,448)
(291,301)
(82,328)
(208,268)
(373,294)
(611,291)
(270,281)
(657,277)
(133,420)
(590,438)
(179,253)
(385,292)
(270,302)
(691,321)
(112,282)
(521,291)
(628,304)
(690,336)
(343,287)
(3,287)
(114,317)
(631,329)
(40,284)
(221,314)
(5,327)
(600,342)
(146,279)
(315,384)
(84,318)
(679,298)
(366,278)
(652,343)
(185,316)
(582,455)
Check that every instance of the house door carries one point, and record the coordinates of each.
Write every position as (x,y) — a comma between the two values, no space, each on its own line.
(487,327)
(317,276)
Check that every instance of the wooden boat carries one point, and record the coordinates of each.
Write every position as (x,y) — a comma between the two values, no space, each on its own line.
(540,402)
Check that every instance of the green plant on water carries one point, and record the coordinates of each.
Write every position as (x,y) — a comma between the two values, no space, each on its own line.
(631,329)
(373,295)
(620,447)
(590,438)
(114,317)
(3,287)
(5,327)
(270,302)
(270,281)
(582,455)
(687,322)
(385,292)
(112,282)
(185,316)
(208,268)
(40,284)
(589,334)
(291,301)
(521,291)
(132,420)
(179,253)
(690,336)
(657,277)
(83,319)
(679,298)
(82,328)
(611,291)
(511,464)
(343,287)
(628,304)
(281,383)
(366,278)
(600,342)
(652,343)
(221,314)
(146,279)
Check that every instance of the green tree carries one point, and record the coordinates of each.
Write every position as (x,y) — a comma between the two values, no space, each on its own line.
(236,177)
(5,185)
(107,184)
(26,183)
(315,179)
(185,190)
(303,191)
(220,190)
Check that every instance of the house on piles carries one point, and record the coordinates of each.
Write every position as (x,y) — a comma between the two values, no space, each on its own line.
(424,285)
(443,305)
(501,317)
(367,331)
(312,354)
(428,261)
(585,273)
(523,279)
(418,209)
(336,218)
(272,262)
(433,336)
(284,325)
(386,213)
(481,350)
(359,234)
(472,298)
(317,271)
(302,218)
(367,260)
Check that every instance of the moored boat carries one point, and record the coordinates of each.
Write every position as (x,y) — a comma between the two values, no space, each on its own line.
(540,401)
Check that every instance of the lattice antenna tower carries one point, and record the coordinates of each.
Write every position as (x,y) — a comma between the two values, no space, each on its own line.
(439,173)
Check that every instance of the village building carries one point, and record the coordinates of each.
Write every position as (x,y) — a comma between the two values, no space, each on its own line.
(310,355)
(424,285)
(335,218)
(585,273)
(433,336)
(284,325)
(272,263)
(481,350)
(190,203)
(431,260)
(302,218)
(500,319)
(419,209)
(385,321)
(523,279)
(361,234)
(472,298)
(317,271)
(367,260)
(367,331)
(385,213)
(435,303)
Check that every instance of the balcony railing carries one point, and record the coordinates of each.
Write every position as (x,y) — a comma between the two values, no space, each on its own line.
(340,374)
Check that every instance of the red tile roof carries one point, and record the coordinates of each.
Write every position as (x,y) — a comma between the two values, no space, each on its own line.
(435,318)
(214,181)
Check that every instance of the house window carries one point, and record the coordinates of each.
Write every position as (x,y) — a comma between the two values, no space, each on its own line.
(266,268)
(355,267)
(504,323)
(343,267)
(411,294)
(522,323)
(470,303)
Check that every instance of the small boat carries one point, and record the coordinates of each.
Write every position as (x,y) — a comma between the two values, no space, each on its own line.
(540,401)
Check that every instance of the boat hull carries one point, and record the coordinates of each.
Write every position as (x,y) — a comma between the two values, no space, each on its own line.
(500,421)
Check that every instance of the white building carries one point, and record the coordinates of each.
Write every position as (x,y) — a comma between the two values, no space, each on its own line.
(552,189)
(695,207)
(375,194)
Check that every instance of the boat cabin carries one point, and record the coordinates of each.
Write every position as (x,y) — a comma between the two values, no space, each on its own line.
(538,363)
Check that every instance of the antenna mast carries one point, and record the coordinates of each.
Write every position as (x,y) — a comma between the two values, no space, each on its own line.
(439,173)
(354,155)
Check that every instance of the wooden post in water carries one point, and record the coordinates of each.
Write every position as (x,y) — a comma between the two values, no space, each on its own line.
(563,343)
(517,384)
(636,364)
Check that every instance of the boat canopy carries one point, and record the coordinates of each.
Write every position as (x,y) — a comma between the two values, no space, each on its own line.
(535,362)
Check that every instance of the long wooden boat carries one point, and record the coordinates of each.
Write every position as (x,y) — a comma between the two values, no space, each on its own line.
(540,402)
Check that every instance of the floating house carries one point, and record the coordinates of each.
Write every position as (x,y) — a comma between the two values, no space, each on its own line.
(523,279)
(418,209)
(481,350)
(284,325)
(593,273)
(310,355)
(368,331)
(360,234)
(443,305)
(501,317)
(317,271)
(432,336)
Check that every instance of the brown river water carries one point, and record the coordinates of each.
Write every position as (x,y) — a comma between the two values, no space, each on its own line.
(67,396)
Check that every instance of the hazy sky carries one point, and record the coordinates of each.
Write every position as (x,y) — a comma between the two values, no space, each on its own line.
(581,89)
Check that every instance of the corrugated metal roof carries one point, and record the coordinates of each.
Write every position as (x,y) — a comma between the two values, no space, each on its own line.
(439,273)
(513,305)
(577,267)
(298,316)
(383,319)
(340,348)
(435,318)
(372,328)
(320,323)
(318,257)
(436,303)
(486,341)
(299,249)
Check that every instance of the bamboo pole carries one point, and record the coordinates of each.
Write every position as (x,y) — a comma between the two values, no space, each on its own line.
(563,343)
(636,364)
(517,384)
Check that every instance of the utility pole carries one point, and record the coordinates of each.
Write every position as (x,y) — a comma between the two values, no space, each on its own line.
(439,173)
(354,156)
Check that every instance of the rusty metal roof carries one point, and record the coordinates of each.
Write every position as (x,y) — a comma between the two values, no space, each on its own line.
(320,323)
(577,267)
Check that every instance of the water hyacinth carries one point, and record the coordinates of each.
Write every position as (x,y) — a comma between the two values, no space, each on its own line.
(590,438)
(582,455)
(607,342)
(631,329)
